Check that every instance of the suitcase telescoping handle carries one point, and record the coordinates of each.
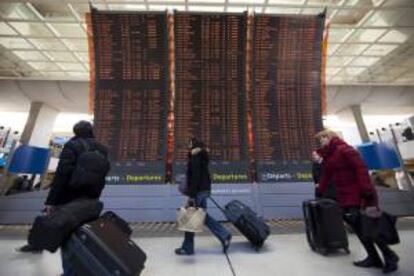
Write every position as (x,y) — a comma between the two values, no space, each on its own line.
(227,256)
(218,206)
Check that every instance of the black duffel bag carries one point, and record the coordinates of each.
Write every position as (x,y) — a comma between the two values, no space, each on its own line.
(49,232)
(382,228)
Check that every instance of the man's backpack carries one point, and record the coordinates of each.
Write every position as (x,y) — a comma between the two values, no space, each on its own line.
(91,168)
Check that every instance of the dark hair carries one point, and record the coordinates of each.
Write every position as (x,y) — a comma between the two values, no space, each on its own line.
(196,143)
(83,129)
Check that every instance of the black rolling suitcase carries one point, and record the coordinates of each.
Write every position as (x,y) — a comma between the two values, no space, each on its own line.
(119,222)
(101,248)
(246,221)
(325,229)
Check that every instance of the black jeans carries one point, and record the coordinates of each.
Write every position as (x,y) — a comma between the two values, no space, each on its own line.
(351,217)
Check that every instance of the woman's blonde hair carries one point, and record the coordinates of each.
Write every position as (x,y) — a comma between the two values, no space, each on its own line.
(326,133)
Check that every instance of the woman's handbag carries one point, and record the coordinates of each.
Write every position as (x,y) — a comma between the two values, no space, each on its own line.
(379,227)
(190,219)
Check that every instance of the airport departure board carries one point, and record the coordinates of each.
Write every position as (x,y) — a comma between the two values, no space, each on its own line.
(210,91)
(131,89)
(287,53)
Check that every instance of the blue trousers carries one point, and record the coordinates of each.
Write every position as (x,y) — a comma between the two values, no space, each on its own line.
(215,227)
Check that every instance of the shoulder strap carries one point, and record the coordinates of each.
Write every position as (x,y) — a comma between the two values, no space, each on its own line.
(84,144)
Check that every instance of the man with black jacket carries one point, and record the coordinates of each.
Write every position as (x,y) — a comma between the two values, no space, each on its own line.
(61,192)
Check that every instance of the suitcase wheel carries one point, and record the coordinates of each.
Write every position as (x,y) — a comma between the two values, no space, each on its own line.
(257,247)
(324,251)
(312,247)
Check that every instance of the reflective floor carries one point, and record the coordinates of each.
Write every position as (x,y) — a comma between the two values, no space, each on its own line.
(283,254)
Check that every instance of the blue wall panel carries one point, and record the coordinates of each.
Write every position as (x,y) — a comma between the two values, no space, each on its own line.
(160,202)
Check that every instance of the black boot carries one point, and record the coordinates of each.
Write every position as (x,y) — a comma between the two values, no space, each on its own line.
(373,259)
(390,258)
(369,262)
(391,262)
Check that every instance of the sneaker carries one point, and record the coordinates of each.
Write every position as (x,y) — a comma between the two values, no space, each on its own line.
(29,249)
(182,251)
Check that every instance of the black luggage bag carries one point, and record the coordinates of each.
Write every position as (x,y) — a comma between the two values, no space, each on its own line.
(50,231)
(246,221)
(325,229)
(101,248)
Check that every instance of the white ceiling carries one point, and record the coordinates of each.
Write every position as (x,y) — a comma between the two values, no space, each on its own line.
(370,41)
(73,97)
(65,96)
(374,100)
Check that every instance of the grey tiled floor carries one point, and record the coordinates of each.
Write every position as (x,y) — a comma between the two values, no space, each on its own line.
(283,254)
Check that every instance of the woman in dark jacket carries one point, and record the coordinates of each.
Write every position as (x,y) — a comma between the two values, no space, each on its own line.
(354,191)
(199,186)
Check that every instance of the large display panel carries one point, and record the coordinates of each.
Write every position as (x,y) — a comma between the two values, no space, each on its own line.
(287,53)
(130,112)
(210,91)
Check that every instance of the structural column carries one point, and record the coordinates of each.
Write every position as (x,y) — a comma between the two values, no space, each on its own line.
(362,129)
(352,115)
(39,126)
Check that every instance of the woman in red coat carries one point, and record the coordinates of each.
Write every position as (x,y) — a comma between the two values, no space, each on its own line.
(345,168)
